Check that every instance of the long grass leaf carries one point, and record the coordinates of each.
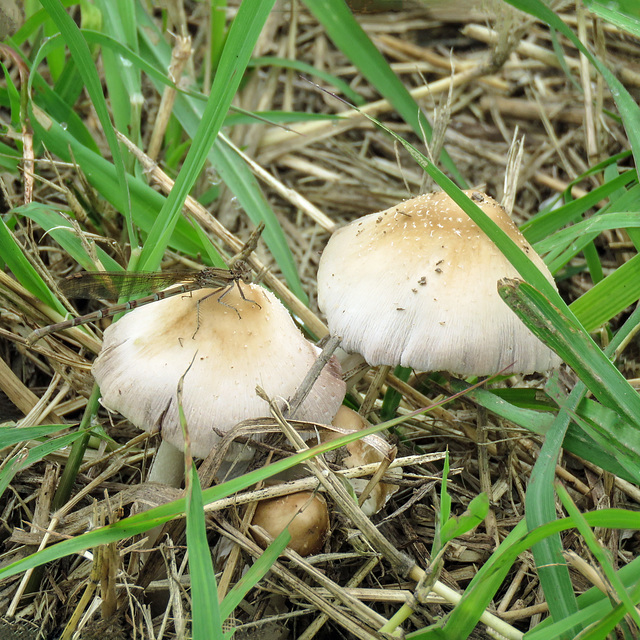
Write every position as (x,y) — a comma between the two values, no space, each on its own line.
(577,440)
(285,63)
(540,509)
(232,170)
(348,35)
(610,296)
(256,572)
(63,232)
(595,225)
(579,351)
(123,79)
(13,255)
(598,553)
(102,175)
(491,574)
(34,454)
(142,522)
(629,109)
(86,67)
(541,226)
(207,622)
(239,44)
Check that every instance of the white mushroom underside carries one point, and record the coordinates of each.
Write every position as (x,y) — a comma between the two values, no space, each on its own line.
(443,312)
(235,348)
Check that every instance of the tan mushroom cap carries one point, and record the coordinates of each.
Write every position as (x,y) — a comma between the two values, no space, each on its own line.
(304,514)
(416,285)
(224,348)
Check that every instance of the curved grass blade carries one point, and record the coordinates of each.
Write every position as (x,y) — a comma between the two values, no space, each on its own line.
(629,109)
(579,351)
(610,296)
(350,38)
(25,459)
(13,255)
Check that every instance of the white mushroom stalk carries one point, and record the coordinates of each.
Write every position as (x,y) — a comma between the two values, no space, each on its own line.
(416,285)
(224,347)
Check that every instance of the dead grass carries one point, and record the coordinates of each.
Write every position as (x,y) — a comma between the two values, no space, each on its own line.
(346,170)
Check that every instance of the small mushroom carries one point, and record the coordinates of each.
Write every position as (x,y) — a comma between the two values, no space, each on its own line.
(223,347)
(416,285)
(304,514)
(367,450)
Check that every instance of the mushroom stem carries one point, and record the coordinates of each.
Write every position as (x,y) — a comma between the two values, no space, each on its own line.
(167,466)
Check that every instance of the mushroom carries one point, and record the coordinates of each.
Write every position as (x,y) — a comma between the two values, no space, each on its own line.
(416,285)
(223,347)
(367,450)
(304,514)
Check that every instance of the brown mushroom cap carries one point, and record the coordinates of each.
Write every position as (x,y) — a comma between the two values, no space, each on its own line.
(224,348)
(416,285)
(310,522)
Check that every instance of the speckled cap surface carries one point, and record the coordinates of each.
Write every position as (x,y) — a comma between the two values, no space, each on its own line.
(416,285)
(224,348)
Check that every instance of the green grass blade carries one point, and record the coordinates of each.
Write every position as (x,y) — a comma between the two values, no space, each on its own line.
(12,97)
(616,15)
(102,175)
(610,296)
(540,509)
(123,79)
(311,71)
(475,513)
(9,158)
(348,35)
(10,435)
(86,68)
(13,255)
(595,608)
(491,574)
(237,176)
(579,441)
(207,623)
(579,351)
(541,226)
(54,108)
(595,225)
(232,169)
(464,618)
(598,553)
(258,570)
(62,231)
(621,201)
(142,522)
(627,106)
(239,44)
(21,461)
(594,368)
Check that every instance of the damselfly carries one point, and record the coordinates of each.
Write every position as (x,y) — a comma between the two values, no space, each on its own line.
(109,284)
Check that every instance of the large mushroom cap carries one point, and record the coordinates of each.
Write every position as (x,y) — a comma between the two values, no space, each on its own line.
(224,348)
(416,285)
